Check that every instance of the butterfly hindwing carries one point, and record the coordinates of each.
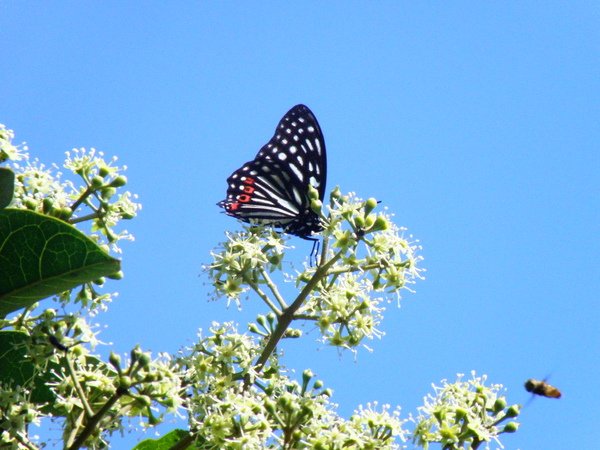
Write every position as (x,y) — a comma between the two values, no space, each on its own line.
(273,188)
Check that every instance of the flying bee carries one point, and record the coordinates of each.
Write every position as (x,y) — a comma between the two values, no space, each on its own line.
(541,388)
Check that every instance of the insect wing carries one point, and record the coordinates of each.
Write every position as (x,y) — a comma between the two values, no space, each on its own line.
(542,388)
(273,188)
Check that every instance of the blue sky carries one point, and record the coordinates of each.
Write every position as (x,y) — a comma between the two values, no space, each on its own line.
(477,124)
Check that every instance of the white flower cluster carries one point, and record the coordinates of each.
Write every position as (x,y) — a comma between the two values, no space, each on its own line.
(464,412)
(234,406)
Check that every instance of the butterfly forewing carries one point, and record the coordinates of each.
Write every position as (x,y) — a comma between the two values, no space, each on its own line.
(273,188)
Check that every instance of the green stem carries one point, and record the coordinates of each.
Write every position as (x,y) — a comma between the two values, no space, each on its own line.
(80,392)
(265,298)
(89,191)
(25,442)
(273,289)
(90,216)
(95,419)
(306,317)
(286,317)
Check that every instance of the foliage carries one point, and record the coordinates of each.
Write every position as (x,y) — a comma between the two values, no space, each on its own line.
(232,386)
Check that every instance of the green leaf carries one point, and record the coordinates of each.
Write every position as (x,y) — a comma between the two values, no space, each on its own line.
(42,256)
(164,443)
(7,186)
(18,370)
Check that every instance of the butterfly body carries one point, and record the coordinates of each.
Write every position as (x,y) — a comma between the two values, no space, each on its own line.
(272,189)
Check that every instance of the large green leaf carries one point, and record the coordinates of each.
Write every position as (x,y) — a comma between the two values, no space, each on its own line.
(41,256)
(164,443)
(7,186)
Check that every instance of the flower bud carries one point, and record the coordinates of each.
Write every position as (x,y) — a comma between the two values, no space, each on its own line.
(369,222)
(270,407)
(499,404)
(135,353)
(335,194)
(97,182)
(144,360)
(49,314)
(124,382)
(115,360)
(144,400)
(116,276)
(370,205)
(118,181)
(513,411)
(103,171)
(439,414)
(152,377)
(292,333)
(63,213)
(316,205)
(108,192)
(381,223)
(47,205)
(461,413)
(307,375)
(511,427)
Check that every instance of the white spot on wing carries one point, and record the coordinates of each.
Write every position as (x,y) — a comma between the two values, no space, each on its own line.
(297,172)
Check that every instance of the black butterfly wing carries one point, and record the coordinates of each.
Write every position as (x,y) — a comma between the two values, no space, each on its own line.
(273,188)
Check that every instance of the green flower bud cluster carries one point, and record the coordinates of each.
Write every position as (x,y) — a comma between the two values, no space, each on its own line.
(231,405)
(243,261)
(56,346)
(97,199)
(17,413)
(364,258)
(370,259)
(464,413)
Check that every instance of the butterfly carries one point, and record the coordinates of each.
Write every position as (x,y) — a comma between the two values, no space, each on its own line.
(272,189)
